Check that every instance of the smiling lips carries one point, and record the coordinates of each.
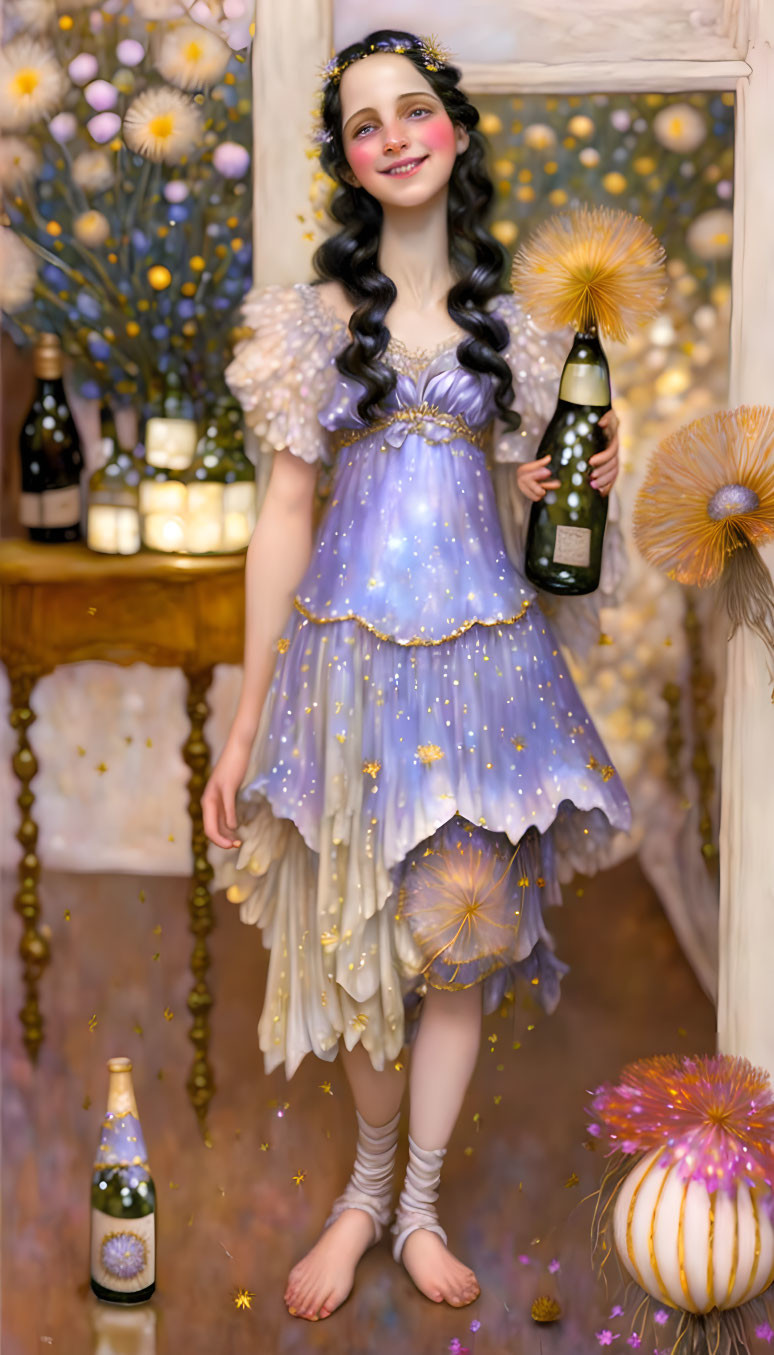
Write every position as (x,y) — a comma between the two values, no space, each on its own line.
(404,167)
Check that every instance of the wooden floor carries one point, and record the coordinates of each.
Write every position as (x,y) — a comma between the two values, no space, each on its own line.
(231,1215)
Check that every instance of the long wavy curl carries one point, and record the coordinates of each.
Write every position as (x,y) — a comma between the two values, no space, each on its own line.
(477,259)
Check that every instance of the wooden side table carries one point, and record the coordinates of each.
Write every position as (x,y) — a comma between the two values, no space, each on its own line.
(66,604)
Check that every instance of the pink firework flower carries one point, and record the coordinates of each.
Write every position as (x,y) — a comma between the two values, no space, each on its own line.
(713,1117)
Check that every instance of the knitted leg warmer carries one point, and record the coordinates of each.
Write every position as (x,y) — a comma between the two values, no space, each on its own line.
(370,1186)
(416,1207)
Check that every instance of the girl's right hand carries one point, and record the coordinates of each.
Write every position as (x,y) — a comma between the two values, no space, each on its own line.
(219,796)
(531,478)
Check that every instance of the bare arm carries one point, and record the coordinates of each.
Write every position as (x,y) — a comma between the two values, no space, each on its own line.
(277,558)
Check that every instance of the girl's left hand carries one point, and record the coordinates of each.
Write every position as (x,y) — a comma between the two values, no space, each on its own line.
(605,463)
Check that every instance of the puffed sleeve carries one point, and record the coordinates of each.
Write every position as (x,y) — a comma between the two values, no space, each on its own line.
(284,372)
(536,360)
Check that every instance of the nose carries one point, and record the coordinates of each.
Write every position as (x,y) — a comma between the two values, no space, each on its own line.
(395,140)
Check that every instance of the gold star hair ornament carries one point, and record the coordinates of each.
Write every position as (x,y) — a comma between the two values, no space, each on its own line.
(433,54)
(591,267)
(707,503)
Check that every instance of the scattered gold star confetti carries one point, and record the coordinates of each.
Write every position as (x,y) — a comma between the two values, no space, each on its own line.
(492,1039)
(605,639)
(92,611)
(93,1022)
(283,645)
(299,1177)
(168,1013)
(326,1087)
(468,1152)
(81,751)
(149,743)
(519,744)
(157,929)
(497,1100)
(243,1298)
(157,955)
(372,769)
(516,1044)
(681,1030)
(141,896)
(173,1185)
(171,837)
(264,1147)
(398,1067)
(86,1101)
(101,767)
(571,1181)
(137,1028)
(342,738)
(429,752)
(67,914)
(128,738)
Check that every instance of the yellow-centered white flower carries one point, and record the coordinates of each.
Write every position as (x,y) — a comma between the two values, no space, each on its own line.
(91,228)
(93,171)
(191,57)
(17,271)
(32,83)
(18,163)
(163,124)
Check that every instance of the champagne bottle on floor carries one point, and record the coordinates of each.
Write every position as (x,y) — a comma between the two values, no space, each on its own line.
(50,451)
(567,526)
(123,1199)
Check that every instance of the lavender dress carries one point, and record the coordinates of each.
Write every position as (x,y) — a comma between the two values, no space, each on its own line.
(425,772)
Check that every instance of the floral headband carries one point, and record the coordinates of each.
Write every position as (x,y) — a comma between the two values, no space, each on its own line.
(432,54)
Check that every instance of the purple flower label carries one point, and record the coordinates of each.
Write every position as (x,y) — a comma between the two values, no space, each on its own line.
(124,1255)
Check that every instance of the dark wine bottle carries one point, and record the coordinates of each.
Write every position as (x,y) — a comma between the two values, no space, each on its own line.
(123,1199)
(50,451)
(567,526)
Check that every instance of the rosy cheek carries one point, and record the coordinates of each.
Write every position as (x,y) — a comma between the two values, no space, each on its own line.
(438,135)
(361,155)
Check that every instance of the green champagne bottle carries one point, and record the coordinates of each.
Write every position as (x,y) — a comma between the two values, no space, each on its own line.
(567,526)
(123,1199)
(50,451)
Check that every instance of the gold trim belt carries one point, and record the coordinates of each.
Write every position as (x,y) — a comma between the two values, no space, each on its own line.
(426,419)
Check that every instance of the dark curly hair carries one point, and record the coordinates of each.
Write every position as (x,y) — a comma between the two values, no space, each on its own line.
(477,259)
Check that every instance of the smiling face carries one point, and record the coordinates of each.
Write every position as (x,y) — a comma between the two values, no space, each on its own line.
(399,141)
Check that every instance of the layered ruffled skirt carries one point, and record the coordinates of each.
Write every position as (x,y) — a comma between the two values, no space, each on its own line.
(408,813)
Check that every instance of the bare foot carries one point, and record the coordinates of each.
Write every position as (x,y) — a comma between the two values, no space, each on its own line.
(438,1274)
(324,1277)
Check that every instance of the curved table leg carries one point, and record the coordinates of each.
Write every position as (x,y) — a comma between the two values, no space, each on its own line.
(34,946)
(201,1082)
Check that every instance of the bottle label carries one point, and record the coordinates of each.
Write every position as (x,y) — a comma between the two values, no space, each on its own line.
(123,1251)
(572,546)
(584,384)
(52,508)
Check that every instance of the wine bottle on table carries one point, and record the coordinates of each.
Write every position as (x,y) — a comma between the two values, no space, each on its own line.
(123,1199)
(50,451)
(567,526)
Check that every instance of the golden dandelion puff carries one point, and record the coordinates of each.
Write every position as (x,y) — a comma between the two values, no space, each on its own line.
(192,57)
(709,489)
(591,267)
(32,83)
(163,124)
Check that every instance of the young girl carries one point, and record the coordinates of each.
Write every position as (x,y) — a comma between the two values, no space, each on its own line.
(410,770)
